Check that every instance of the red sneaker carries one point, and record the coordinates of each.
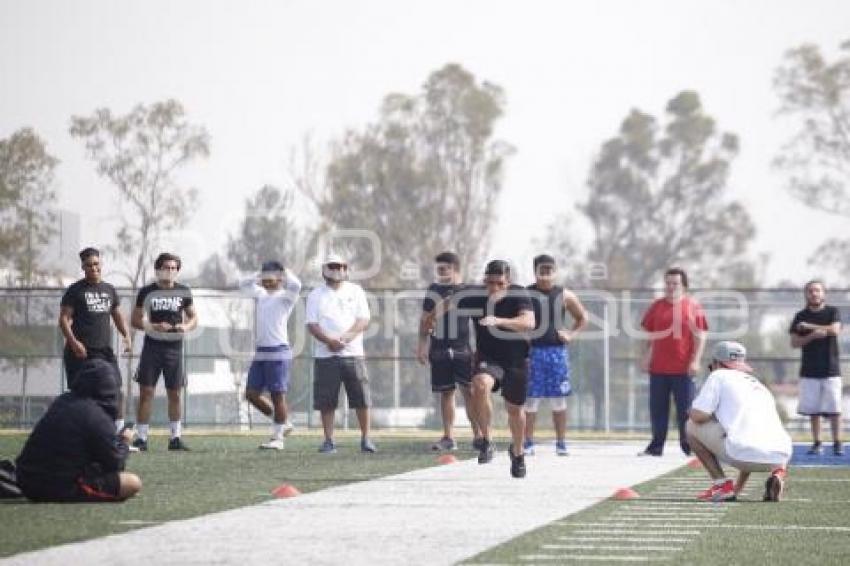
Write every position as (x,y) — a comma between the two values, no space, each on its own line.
(722,492)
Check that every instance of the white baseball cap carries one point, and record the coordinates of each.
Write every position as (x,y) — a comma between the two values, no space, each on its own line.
(334,258)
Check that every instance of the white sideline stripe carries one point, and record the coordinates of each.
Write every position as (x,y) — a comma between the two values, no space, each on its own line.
(656,503)
(588,557)
(624,539)
(692,508)
(611,547)
(642,518)
(639,513)
(808,480)
(716,526)
(632,532)
(385,521)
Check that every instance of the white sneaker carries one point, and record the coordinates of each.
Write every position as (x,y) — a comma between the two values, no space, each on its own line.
(272,444)
(288,427)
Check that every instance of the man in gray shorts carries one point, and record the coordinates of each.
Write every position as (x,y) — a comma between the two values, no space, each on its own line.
(815,330)
(734,420)
(337,316)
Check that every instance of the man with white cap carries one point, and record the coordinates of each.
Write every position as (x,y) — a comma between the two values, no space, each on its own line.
(734,420)
(337,316)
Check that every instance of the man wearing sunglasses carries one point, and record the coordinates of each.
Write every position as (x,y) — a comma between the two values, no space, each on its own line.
(165,312)
(337,315)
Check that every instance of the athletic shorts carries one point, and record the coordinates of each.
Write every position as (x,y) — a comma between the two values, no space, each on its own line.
(712,436)
(330,373)
(511,380)
(165,359)
(450,367)
(549,372)
(93,488)
(270,369)
(820,396)
(73,364)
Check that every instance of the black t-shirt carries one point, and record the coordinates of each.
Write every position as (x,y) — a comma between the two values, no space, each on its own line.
(93,304)
(165,305)
(820,357)
(451,331)
(495,344)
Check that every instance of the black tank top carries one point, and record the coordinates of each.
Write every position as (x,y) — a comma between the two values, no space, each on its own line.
(552,320)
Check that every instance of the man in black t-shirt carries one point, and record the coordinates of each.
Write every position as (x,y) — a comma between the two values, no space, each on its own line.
(84,319)
(165,312)
(446,346)
(502,314)
(815,329)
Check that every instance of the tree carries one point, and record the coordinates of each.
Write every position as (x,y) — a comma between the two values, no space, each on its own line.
(141,153)
(27,198)
(656,200)
(425,177)
(268,232)
(815,93)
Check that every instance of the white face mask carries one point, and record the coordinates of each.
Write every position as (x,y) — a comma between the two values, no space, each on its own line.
(166,275)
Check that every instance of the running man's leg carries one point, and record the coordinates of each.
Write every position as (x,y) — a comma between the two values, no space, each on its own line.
(447,410)
(659,411)
(482,386)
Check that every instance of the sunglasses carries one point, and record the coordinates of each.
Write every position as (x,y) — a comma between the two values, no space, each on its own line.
(336,266)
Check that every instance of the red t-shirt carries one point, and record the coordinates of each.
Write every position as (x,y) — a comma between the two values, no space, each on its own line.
(674,325)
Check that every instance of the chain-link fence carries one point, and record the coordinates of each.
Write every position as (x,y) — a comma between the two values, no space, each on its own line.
(609,391)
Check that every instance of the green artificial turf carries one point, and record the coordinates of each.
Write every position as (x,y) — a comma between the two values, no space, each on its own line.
(752,532)
(221,472)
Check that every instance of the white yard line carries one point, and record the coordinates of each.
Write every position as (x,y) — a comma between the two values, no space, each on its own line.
(439,515)
(612,547)
(591,557)
(623,539)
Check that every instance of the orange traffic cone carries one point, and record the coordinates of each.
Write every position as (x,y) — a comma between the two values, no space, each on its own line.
(446,459)
(285,490)
(625,493)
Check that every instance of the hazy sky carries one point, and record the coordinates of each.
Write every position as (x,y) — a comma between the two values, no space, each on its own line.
(259,75)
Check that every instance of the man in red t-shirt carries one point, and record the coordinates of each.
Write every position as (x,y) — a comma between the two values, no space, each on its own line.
(676,325)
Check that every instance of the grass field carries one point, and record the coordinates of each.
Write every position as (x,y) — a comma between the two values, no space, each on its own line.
(811,526)
(221,472)
(665,524)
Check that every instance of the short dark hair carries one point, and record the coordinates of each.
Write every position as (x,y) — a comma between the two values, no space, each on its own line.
(543,259)
(89,252)
(498,267)
(165,256)
(448,257)
(680,272)
(271,266)
(813,282)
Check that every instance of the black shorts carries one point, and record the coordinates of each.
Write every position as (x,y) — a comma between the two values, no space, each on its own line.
(512,380)
(93,488)
(450,367)
(330,373)
(165,359)
(73,363)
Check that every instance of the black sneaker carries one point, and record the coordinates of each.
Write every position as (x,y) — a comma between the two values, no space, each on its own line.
(837,449)
(140,444)
(485,453)
(477,443)
(773,488)
(815,450)
(177,444)
(517,463)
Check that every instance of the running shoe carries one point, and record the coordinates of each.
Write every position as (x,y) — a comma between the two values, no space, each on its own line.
(528,447)
(517,463)
(445,443)
(327,447)
(485,454)
(177,444)
(721,492)
(561,448)
(272,444)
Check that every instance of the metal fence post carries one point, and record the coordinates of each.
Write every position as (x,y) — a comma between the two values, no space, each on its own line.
(606,360)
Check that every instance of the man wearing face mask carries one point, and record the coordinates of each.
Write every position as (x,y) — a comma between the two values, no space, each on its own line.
(73,453)
(275,290)
(337,316)
(164,311)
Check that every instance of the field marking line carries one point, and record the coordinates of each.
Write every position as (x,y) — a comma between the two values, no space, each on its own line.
(612,547)
(591,557)
(624,539)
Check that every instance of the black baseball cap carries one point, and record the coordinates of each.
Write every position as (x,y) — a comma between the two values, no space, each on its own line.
(271,267)
(544,259)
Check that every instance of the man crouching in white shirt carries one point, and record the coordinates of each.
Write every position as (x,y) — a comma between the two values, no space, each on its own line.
(734,420)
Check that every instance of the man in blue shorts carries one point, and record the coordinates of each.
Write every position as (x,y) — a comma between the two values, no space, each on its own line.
(275,290)
(549,366)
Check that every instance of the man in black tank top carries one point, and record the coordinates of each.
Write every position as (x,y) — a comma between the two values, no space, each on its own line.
(549,364)
(445,345)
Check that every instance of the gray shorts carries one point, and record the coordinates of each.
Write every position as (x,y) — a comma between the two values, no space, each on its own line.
(819,396)
(330,373)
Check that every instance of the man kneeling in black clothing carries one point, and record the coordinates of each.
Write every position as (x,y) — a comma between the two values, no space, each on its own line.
(73,453)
